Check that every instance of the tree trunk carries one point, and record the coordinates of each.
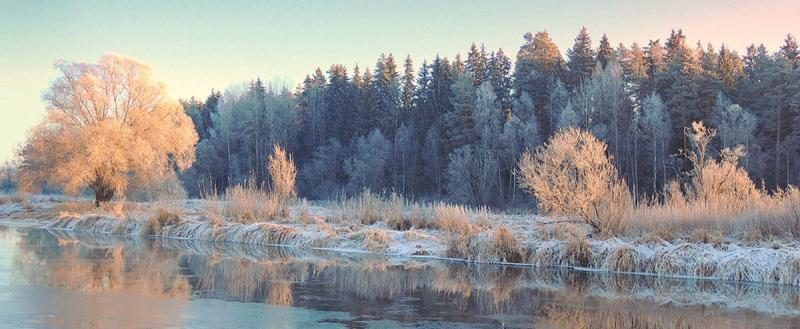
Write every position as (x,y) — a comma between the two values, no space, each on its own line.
(102,193)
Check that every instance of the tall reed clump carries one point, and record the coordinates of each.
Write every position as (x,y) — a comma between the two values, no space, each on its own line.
(283,172)
(571,176)
(252,202)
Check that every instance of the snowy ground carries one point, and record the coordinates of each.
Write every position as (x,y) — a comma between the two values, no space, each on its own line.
(775,262)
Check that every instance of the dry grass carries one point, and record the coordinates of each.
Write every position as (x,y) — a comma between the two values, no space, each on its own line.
(250,203)
(452,218)
(507,246)
(162,217)
(420,216)
(462,245)
(303,214)
(366,208)
(578,252)
(395,214)
(760,216)
(376,240)
(10,199)
(623,259)
(561,231)
(74,207)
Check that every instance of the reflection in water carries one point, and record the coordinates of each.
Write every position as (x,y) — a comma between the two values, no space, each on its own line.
(375,288)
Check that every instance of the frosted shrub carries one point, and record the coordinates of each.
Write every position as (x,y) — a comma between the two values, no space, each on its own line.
(719,183)
(572,176)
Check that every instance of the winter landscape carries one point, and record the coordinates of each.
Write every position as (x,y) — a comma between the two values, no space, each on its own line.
(561,178)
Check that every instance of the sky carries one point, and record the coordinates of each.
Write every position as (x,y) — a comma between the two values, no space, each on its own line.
(195,46)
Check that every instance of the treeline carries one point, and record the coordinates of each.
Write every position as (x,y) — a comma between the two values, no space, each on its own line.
(456,128)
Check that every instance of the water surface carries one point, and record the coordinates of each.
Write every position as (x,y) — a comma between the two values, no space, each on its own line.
(56,279)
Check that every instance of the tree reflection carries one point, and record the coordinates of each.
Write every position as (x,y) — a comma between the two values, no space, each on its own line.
(369,284)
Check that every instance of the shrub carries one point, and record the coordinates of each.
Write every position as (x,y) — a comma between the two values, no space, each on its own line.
(571,175)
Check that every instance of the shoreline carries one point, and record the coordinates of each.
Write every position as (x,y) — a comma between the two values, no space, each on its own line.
(778,264)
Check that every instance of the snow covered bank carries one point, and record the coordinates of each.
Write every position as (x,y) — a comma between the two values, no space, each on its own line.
(773,263)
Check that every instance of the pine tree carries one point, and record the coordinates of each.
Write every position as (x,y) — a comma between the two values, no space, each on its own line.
(458,67)
(386,97)
(604,52)
(340,98)
(408,84)
(730,68)
(790,52)
(539,65)
(499,68)
(459,122)
(476,64)
(580,60)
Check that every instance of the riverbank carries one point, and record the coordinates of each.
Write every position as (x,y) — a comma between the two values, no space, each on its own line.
(443,231)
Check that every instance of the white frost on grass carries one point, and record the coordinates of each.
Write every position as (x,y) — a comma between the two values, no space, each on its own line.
(777,263)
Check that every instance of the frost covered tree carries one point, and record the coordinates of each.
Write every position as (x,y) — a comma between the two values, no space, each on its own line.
(573,176)
(108,125)
(367,166)
(539,65)
(322,175)
(405,152)
(459,122)
(432,161)
(499,68)
(655,130)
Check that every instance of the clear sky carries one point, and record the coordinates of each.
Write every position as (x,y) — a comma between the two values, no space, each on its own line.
(199,45)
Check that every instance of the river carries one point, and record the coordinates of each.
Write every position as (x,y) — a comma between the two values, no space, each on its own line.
(58,279)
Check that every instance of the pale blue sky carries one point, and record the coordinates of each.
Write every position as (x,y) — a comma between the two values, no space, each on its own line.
(198,45)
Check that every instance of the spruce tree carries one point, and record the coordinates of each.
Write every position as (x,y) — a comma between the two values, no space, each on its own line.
(476,64)
(580,60)
(408,84)
(604,52)
(499,69)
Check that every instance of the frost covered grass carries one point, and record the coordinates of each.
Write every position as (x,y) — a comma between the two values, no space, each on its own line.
(450,231)
(249,204)
(762,217)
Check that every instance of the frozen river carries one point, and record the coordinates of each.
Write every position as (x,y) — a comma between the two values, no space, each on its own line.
(55,279)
